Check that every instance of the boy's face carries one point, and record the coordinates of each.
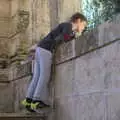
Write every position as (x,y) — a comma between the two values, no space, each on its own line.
(80,25)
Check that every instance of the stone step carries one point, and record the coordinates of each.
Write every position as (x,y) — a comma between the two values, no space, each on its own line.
(22,116)
(3,75)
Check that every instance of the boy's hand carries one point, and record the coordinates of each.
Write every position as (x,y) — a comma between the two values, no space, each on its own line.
(32,49)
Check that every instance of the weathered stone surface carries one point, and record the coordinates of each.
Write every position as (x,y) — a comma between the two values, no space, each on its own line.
(113,106)
(4,28)
(36,28)
(65,52)
(12,72)
(4,8)
(14,7)
(86,42)
(20,71)
(108,31)
(89,107)
(4,47)
(65,109)
(111,57)
(95,79)
(14,44)
(6,98)
(20,89)
(24,70)
(21,116)
(64,79)
(4,75)
(65,10)
(89,73)
(13,24)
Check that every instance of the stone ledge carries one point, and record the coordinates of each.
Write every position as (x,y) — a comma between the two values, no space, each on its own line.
(3,75)
(20,71)
(101,36)
(21,115)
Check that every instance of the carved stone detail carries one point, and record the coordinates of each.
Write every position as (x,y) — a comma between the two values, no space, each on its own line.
(23,20)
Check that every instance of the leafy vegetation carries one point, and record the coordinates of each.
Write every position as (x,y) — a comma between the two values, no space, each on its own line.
(98,11)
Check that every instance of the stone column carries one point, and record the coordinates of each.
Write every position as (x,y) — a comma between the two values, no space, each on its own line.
(4,29)
(66,8)
(39,24)
(61,10)
(53,6)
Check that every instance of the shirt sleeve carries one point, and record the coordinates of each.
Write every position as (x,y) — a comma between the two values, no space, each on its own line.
(67,32)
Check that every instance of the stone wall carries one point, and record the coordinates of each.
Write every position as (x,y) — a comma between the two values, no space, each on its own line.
(62,10)
(22,24)
(87,82)
(13,87)
(4,26)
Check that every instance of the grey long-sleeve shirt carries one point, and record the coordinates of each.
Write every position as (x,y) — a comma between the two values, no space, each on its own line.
(63,32)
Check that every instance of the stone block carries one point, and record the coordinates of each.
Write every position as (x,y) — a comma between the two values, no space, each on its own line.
(4,47)
(6,98)
(89,73)
(14,44)
(4,8)
(65,10)
(65,52)
(86,42)
(14,7)
(20,89)
(108,31)
(110,56)
(12,72)
(87,107)
(13,24)
(4,28)
(113,105)
(64,79)
(4,75)
(65,109)
(21,116)
(24,70)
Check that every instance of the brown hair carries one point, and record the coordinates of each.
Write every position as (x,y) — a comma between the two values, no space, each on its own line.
(78,16)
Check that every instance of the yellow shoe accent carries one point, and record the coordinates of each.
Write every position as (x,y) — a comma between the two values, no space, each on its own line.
(25,103)
(34,105)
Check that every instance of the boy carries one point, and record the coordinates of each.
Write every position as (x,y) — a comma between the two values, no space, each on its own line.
(37,94)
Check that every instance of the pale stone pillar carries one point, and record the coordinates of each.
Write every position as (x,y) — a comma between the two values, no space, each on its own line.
(61,10)
(53,6)
(66,8)
(39,19)
(4,28)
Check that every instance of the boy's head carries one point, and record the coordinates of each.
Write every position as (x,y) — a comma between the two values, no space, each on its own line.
(79,21)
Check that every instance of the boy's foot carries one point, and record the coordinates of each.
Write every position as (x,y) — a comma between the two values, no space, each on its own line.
(27,105)
(38,105)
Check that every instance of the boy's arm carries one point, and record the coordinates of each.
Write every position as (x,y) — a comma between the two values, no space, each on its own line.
(66,34)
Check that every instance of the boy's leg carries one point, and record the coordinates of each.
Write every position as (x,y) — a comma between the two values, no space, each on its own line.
(42,92)
(36,74)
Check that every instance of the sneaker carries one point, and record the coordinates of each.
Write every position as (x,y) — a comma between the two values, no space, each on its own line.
(27,105)
(38,105)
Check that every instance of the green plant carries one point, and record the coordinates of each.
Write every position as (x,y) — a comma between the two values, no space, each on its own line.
(98,11)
